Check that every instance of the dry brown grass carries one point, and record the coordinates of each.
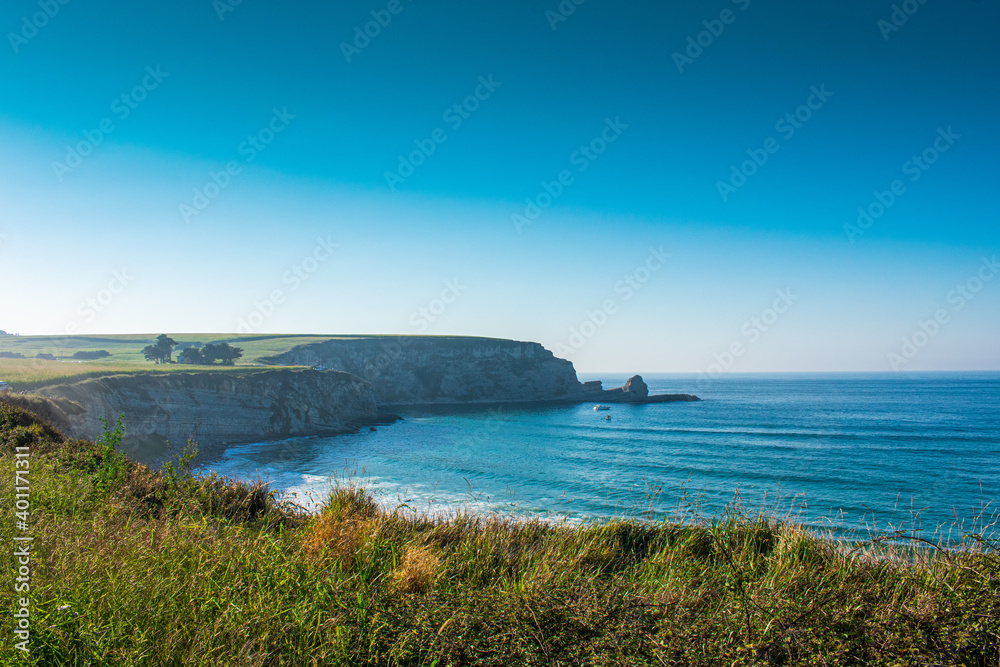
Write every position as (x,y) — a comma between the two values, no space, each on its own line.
(339,532)
(418,570)
(336,539)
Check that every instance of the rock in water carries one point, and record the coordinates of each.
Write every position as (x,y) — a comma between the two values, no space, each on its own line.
(635,391)
(635,388)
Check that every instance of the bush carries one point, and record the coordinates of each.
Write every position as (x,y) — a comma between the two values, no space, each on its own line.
(208,355)
(11,355)
(31,409)
(190,355)
(91,354)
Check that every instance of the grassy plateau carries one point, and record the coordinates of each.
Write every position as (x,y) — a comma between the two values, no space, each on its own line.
(125,353)
(135,567)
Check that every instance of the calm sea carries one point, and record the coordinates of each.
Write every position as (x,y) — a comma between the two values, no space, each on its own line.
(844,451)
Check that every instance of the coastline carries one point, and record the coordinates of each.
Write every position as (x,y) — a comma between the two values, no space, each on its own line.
(609,592)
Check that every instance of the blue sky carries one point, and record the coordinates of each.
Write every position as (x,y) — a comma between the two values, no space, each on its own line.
(243,172)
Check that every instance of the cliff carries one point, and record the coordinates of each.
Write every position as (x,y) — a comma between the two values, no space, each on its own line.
(219,408)
(417,370)
(214,408)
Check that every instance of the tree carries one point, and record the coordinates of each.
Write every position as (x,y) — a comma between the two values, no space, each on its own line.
(91,354)
(161,351)
(223,352)
(165,345)
(190,355)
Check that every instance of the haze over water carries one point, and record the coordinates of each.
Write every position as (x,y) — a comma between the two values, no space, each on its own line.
(838,450)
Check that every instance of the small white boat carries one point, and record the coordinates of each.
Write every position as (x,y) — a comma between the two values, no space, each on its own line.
(602,407)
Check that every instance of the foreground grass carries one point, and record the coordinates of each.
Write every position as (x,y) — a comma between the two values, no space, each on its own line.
(136,567)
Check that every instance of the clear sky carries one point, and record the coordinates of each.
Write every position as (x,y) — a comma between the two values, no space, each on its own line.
(639,187)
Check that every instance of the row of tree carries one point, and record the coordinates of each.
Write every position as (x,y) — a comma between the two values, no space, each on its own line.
(162,352)
(82,354)
(208,355)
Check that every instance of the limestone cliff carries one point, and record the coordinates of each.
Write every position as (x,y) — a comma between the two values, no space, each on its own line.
(440,370)
(215,408)
(224,407)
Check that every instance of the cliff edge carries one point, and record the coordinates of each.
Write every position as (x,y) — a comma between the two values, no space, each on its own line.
(420,370)
(351,378)
(214,408)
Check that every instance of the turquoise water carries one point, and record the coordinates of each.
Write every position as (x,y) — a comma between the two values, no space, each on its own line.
(837,450)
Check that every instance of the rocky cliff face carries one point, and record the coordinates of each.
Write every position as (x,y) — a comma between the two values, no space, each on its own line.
(215,408)
(219,408)
(425,370)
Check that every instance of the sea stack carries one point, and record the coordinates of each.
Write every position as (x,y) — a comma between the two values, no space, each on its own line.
(635,390)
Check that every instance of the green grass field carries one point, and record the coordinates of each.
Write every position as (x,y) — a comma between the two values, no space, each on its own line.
(32,374)
(134,567)
(125,355)
(128,348)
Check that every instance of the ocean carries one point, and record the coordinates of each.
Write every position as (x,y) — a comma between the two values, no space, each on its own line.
(837,452)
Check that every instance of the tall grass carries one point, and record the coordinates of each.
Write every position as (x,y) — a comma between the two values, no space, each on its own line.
(137,567)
